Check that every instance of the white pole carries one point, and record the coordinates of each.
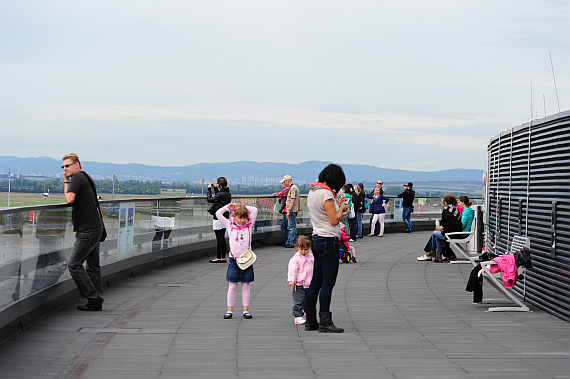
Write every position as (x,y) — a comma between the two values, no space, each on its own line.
(9,174)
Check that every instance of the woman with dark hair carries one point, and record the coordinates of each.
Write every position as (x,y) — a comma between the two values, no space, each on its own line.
(219,199)
(359,207)
(468,213)
(450,222)
(325,217)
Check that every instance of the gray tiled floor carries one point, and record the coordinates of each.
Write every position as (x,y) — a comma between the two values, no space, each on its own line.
(403,319)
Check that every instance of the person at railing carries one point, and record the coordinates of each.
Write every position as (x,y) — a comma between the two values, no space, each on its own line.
(359,207)
(325,216)
(282,211)
(221,197)
(379,201)
(450,223)
(292,207)
(375,228)
(80,191)
(407,205)
(239,225)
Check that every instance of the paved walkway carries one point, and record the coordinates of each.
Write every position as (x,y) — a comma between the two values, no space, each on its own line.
(403,319)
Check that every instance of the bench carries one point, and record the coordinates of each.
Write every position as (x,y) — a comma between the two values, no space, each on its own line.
(495,280)
(468,240)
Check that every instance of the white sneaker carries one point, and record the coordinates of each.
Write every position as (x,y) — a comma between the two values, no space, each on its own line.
(351,240)
(300,320)
(424,258)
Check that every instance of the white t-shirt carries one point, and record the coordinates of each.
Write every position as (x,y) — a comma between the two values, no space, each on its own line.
(321,224)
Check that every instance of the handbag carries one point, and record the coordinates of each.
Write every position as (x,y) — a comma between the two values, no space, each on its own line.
(104,231)
(247,258)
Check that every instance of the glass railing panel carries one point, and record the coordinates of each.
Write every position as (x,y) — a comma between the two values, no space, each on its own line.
(10,257)
(165,217)
(44,260)
(144,230)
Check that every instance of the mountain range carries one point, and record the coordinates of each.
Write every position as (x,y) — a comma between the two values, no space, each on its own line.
(246,172)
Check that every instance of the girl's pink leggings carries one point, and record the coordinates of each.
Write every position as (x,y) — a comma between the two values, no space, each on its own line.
(245,293)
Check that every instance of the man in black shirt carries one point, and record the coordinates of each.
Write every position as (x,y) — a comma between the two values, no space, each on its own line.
(407,205)
(87,225)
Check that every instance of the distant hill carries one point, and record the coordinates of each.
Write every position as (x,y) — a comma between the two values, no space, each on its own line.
(244,172)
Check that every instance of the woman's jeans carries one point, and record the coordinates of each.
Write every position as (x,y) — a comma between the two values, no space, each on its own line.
(221,246)
(358,224)
(437,240)
(325,251)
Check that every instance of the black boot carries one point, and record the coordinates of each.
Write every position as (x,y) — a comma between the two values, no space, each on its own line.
(312,323)
(326,325)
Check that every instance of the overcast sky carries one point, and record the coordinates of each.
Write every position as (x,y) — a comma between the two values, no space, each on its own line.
(416,85)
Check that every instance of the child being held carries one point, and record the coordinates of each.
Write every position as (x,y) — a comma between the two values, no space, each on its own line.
(299,276)
(239,226)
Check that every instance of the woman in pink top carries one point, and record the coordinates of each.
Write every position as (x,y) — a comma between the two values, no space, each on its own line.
(242,219)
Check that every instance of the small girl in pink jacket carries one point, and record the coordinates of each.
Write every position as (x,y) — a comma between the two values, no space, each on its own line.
(299,276)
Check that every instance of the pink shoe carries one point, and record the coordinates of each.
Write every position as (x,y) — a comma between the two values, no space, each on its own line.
(300,320)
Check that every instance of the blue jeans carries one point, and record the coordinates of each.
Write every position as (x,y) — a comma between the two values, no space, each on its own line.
(325,271)
(406,216)
(352,226)
(299,300)
(437,239)
(284,232)
(86,249)
(359,224)
(292,228)
(376,228)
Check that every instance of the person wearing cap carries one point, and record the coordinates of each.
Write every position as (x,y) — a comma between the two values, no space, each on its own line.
(292,208)
(408,200)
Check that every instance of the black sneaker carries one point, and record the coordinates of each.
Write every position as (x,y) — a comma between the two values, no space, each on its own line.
(279,244)
(408,231)
(93,305)
(289,246)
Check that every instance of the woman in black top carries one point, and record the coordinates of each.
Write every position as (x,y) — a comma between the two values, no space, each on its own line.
(221,197)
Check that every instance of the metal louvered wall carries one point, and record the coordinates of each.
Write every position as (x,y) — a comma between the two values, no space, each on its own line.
(528,193)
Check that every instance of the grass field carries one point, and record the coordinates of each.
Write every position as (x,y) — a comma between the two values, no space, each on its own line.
(29,199)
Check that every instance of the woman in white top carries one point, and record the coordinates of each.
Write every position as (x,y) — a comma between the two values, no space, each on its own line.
(325,216)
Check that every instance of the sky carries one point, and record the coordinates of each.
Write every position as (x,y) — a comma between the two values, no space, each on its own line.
(415,85)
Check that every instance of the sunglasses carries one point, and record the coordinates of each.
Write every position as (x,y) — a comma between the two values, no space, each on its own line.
(67,165)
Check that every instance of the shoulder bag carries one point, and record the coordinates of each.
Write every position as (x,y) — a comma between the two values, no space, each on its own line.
(104,231)
(247,258)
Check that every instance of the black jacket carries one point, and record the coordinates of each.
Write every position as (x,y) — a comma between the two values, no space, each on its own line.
(358,201)
(218,200)
(408,198)
(451,220)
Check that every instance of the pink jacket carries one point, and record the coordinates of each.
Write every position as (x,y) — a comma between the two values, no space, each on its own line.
(301,269)
(508,268)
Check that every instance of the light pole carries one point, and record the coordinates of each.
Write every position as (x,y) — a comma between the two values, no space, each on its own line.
(113,186)
(202,186)
(9,174)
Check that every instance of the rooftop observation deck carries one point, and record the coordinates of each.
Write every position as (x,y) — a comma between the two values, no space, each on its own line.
(402,319)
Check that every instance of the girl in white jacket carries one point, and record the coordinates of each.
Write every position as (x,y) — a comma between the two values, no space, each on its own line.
(299,276)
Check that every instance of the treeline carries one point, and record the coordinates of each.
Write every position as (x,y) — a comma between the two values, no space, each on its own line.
(139,187)
(132,187)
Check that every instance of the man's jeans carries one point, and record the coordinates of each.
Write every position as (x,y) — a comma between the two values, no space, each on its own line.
(358,224)
(86,249)
(292,228)
(284,231)
(437,240)
(325,271)
(406,216)
(352,226)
